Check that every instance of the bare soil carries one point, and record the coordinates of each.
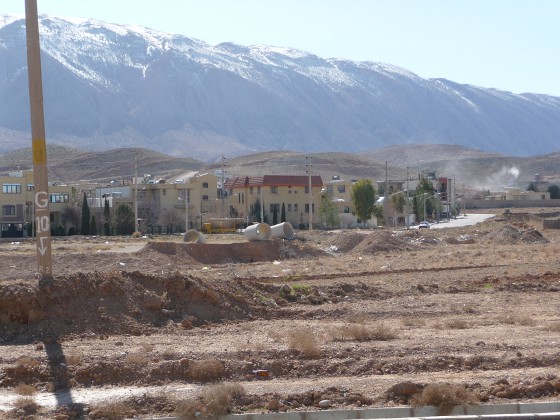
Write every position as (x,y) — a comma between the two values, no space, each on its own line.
(359,318)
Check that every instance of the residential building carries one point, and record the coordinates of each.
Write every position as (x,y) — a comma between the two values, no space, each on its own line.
(249,196)
(162,205)
(17,203)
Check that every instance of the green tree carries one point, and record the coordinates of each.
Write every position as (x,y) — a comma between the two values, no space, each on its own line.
(255,213)
(424,199)
(85,216)
(554,191)
(329,212)
(363,197)
(93,226)
(107,218)
(124,220)
(532,187)
(283,213)
(275,214)
(398,201)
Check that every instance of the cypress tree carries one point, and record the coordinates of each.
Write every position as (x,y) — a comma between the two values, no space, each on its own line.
(85,216)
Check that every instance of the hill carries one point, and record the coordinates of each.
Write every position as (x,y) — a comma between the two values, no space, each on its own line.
(108,86)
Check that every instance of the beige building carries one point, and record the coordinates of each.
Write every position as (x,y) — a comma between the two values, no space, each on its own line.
(519,194)
(247,197)
(17,198)
(161,205)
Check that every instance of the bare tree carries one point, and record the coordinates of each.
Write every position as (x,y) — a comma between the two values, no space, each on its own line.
(149,212)
(71,217)
(171,218)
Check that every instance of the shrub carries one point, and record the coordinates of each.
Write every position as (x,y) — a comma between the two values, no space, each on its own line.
(206,370)
(136,235)
(24,389)
(304,341)
(457,324)
(554,326)
(117,410)
(444,397)
(136,359)
(28,405)
(210,402)
(362,332)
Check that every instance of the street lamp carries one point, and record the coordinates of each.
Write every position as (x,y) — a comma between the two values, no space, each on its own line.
(186,200)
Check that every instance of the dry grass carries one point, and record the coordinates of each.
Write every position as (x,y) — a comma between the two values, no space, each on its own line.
(24,389)
(207,370)
(362,332)
(445,397)
(553,327)
(136,358)
(210,402)
(116,410)
(27,362)
(456,324)
(305,341)
(413,322)
(74,358)
(517,319)
(169,354)
(28,405)
(148,347)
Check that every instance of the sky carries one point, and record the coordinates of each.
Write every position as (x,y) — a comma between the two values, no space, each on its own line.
(512,45)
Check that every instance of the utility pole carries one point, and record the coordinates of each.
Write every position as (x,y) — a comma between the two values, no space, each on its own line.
(135,183)
(39,146)
(385,203)
(308,160)
(407,201)
(186,208)
(262,202)
(222,194)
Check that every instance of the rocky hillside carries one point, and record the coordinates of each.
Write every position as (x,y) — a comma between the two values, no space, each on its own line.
(108,86)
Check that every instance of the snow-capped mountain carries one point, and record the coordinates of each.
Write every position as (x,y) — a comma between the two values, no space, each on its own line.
(108,85)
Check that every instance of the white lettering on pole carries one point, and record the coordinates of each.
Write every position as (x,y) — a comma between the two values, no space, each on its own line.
(41,199)
(42,247)
(43,224)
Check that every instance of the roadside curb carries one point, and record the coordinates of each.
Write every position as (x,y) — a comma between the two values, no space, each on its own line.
(518,411)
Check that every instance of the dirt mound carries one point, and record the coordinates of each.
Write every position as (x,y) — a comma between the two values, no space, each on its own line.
(242,252)
(508,234)
(386,241)
(345,242)
(119,302)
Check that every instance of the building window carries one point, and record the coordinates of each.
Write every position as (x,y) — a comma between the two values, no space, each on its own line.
(59,198)
(274,190)
(30,187)
(11,188)
(289,207)
(8,210)
(205,185)
(341,189)
(346,209)
(307,189)
(295,207)
(164,191)
(275,208)
(329,189)
(251,190)
(307,208)
(204,198)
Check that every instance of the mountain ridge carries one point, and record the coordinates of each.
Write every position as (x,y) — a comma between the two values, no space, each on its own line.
(108,85)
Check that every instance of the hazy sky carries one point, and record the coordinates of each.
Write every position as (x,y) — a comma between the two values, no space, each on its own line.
(512,45)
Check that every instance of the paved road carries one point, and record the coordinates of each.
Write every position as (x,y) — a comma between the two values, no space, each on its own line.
(462,220)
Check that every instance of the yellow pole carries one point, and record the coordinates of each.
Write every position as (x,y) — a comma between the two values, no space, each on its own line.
(39,147)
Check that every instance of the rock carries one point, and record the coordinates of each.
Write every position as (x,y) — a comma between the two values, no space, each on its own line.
(272,405)
(186,324)
(285,289)
(325,403)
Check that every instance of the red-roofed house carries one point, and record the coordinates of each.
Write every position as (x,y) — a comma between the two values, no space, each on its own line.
(247,194)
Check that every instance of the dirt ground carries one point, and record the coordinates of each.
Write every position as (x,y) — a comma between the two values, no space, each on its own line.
(340,319)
